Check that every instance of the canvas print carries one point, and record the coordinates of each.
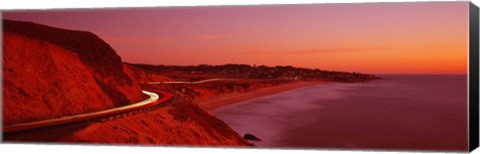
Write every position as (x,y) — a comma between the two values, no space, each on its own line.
(389,76)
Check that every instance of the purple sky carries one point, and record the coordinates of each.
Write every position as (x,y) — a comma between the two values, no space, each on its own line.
(424,37)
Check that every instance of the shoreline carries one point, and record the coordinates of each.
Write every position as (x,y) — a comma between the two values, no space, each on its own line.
(232,98)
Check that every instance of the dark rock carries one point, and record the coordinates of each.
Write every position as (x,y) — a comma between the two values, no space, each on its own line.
(251,137)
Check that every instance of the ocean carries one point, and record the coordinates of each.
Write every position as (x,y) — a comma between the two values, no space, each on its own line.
(402,112)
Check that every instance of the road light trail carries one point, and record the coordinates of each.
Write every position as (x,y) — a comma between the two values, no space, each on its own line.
(195,82)
(153,100)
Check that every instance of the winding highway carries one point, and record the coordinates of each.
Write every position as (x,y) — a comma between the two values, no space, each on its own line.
(194,82)
(28,130)
(51,129)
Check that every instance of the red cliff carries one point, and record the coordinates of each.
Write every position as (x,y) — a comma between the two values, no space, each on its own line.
(51,72)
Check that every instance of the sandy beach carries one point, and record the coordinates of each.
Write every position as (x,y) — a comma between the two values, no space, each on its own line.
(227,99)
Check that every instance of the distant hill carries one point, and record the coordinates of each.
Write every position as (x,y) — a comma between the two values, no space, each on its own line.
(264,72)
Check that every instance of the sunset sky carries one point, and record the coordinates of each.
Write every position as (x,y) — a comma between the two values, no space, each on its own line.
(419,38)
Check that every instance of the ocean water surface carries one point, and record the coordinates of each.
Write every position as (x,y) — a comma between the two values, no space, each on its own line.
(421,112)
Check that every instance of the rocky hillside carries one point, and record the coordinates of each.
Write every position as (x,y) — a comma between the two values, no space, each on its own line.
(99,58)
(42,80)
(51,72)
(199,92)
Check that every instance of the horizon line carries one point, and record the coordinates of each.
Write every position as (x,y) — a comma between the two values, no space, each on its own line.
(374,73)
